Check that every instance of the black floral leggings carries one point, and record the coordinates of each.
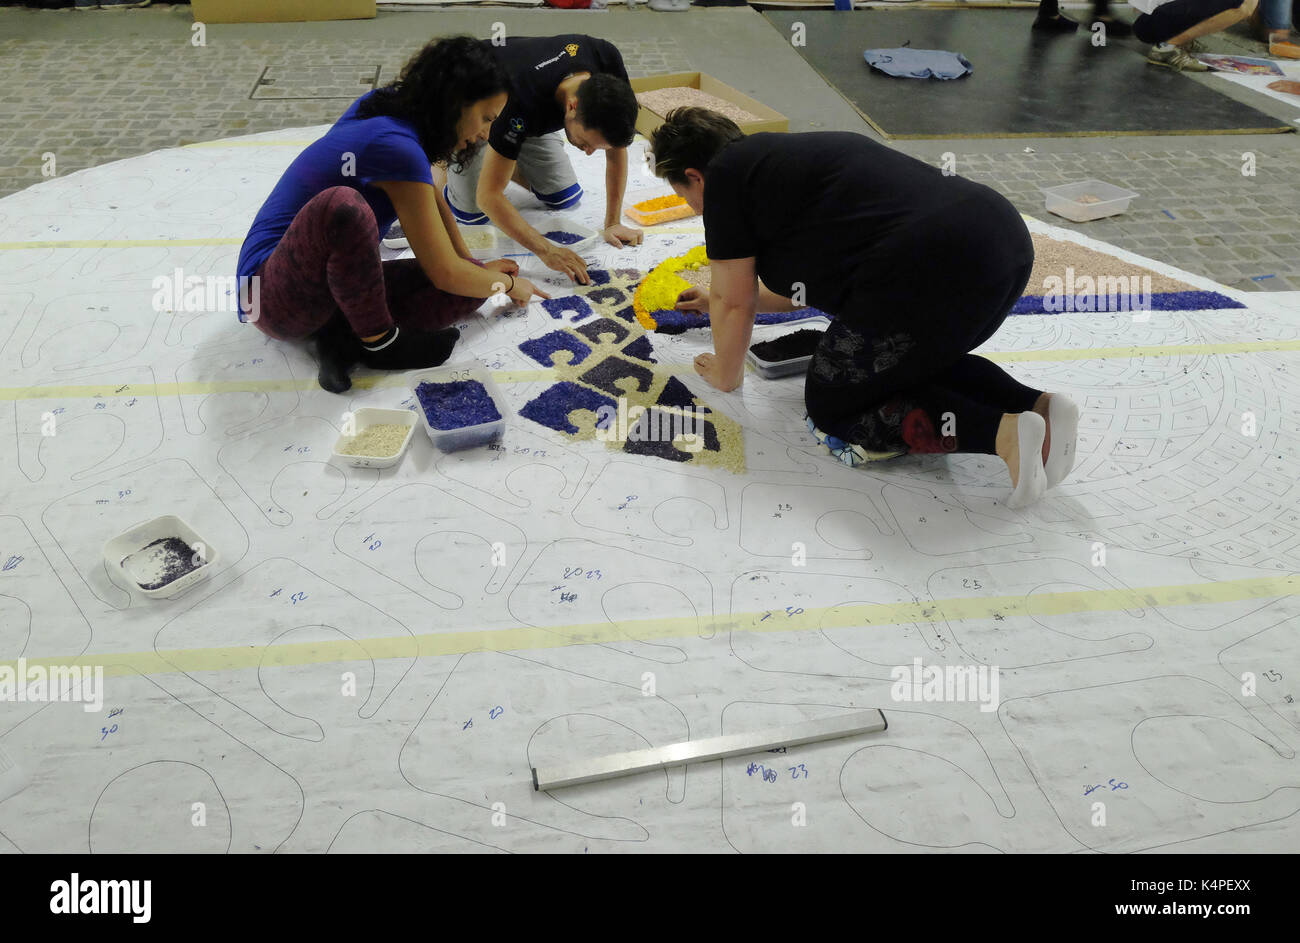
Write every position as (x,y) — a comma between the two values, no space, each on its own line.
(895,374)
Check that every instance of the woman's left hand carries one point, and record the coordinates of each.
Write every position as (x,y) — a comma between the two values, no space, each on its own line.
(504,266)
(621,236)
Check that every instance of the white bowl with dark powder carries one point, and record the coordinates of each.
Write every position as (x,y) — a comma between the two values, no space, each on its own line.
(159,558)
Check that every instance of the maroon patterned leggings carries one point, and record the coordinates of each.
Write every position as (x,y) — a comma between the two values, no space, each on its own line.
(327,265)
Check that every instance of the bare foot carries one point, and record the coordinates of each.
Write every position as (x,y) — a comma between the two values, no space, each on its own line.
(1043,407)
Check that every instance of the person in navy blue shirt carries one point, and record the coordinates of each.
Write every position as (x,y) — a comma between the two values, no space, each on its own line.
(314,245)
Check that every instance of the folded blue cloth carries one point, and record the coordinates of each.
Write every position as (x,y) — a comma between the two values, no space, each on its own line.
(919,63)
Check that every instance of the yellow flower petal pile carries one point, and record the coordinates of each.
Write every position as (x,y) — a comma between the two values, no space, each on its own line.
(658,291)
(660,203)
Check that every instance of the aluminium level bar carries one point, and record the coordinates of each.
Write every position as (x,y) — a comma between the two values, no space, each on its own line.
(711,748)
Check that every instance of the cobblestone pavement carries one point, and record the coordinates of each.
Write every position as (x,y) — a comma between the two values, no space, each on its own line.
(93,100)
(1196,209)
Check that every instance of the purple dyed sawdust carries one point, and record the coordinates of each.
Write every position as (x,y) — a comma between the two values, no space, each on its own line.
(594,330)
(640,349)
(658,419)
(631,274)
(556,307)
(562,237)
(541,348)
(1157,301)
(552,407)
(609,371)
(607,296)
(456,405)
(677,394)
(177,560)
(598,276)
(627,314)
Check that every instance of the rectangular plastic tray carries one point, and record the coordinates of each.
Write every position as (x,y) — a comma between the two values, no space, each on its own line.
(140,536)
(483,242)
(1064,200)
(655,217)
(566,224)
(773,369)
(368,416)
(466,437)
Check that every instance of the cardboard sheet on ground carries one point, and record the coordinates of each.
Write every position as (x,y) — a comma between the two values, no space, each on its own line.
(380,655)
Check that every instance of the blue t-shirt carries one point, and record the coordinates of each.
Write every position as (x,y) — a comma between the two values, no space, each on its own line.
(381,148)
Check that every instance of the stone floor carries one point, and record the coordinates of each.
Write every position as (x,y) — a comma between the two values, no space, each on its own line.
(93,87)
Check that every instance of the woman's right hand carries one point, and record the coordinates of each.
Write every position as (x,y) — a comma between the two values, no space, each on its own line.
(693,299)
(524,290)
(567,261)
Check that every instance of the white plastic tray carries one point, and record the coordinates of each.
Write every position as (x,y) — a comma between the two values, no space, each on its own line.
(566,224)
(632,199)
(118,551)
(483,242)
(368,416)
(466,437)
(771,370)
(1064,200)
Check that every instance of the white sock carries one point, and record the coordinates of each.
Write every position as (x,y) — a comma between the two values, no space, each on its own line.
(1063,414)
(1031,431)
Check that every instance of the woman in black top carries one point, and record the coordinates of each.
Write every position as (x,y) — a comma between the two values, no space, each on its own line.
(918,269)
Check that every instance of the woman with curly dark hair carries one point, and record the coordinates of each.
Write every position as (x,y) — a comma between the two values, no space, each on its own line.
(314,246)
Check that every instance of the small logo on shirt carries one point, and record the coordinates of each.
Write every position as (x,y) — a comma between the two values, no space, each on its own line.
(517,124)
(571,49)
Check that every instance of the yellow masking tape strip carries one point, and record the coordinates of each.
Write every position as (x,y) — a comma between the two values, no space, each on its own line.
(776,620)
(117,243)
(201,388)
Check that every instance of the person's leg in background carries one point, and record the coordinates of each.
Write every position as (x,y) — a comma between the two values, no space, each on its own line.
(1050,19)
(1173,27)
(325,281)
(1272,22)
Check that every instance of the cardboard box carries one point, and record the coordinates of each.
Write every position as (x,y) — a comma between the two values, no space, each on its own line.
(280,11)
(647,120)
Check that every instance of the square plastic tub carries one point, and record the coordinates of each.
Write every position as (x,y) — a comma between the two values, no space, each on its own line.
(654,217)
(119,551)
(466,437)
(773,369)
(366,417)
(1064,200)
